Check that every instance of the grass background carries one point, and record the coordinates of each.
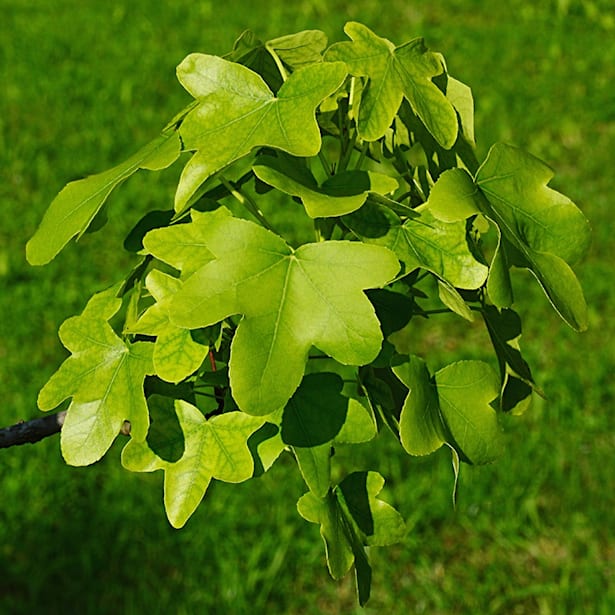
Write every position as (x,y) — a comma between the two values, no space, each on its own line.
(82,85)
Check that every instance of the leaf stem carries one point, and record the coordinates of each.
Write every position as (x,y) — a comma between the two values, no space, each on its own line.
(278,63)
(364,148)
(245,200)
(324,161)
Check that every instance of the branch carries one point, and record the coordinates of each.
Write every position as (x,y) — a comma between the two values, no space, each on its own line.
(29,432)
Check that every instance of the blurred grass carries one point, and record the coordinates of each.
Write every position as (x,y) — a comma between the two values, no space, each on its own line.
(83,84)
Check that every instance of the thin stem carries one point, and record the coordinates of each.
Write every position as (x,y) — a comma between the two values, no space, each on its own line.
(245,200)
(278,63)
(362,156)
(326,165)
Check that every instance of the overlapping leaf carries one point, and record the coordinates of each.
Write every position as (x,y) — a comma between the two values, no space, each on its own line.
(72,211)
(294,50)
(176,354)
(340,194)
(504,329)
(317,415)
(452,408)
(290,299)
(350,518)
(104,376)
(543,230)
(395,73)
(425,242)
(237,111)
(215,448)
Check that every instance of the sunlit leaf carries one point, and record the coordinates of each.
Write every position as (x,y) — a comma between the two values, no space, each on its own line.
(546,229)
(299,49)
(453,408)
(426,242)
(395,73)
(237,111)
(176,354)
(215,448)
(540,228)
(291,300)
(72,211)
(104,376)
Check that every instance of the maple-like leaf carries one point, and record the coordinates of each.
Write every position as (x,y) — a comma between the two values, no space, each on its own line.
(104,376)
(423,241)
(541,229)
(215,448)
(237,111)
(395,73)
(176,354)
(290,300)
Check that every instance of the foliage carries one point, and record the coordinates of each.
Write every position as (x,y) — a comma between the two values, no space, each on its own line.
(244,347)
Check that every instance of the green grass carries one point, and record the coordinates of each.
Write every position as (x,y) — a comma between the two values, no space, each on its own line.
(83,85)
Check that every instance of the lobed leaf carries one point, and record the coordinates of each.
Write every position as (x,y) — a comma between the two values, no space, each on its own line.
(350,518)
(290,300)
(395,73)
(237,112)
(104,376)
(176,354)
(541,229)
(426,242)
(214,448)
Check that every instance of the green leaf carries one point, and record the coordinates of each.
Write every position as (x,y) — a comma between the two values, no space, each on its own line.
(541,229)
(328,514)
(360,425)
(340,194)
(72,211)
(104,376)
(453,408)
(315,467)
(181,246)
(176,354)
(378,522)
(237,112)
(290,299)
(299,49)
(395,73)
(214,448)
(425,242)
(461,98)
(546,229)
(455,197)
(313,417)
(420,425)
(465,391)
(316,412)
(517,382)
(350,518)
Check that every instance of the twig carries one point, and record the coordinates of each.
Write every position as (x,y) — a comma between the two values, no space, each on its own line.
(28,432)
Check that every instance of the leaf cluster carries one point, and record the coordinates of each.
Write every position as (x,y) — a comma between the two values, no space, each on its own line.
(228,346)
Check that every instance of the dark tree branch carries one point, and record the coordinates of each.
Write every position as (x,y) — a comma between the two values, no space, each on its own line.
(28,432)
